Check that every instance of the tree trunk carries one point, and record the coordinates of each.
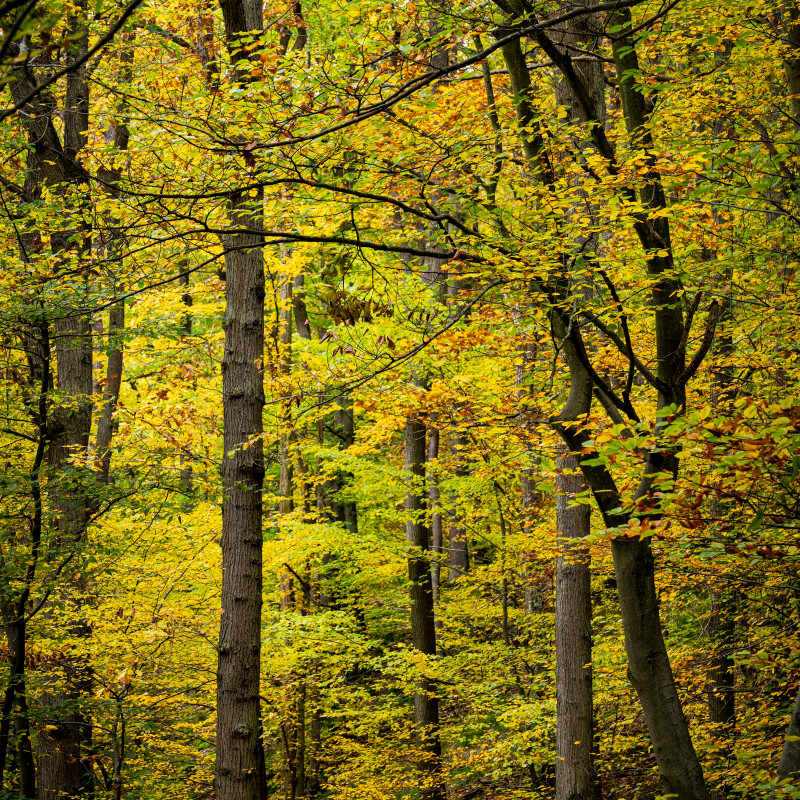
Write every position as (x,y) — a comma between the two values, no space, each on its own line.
(575,775)
(792,63)
(458,555)
(60,770)
(423,627)
(436,514)
(721,625)
(239,749)
(790,757)
(106,423)
(238,666)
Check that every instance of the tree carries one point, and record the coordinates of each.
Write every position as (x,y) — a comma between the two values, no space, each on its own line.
(239,766)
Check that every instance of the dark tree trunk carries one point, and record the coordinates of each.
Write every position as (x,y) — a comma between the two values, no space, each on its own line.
(348,512)
(423,627)
(721,625)
(238,670)
(792,62)
(65,729)
(187,472)
(61,772)
(239,763)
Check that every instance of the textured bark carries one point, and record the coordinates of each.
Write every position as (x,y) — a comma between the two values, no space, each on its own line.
(423,627)
(792,63)
(239,764)
(66,731)
(238,667)
(790,757)
(575,774)
(61,773)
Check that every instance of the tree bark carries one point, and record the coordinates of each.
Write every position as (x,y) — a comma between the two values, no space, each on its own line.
(790,757)
(239,749)
(423,626)
(436,513)
(458,546)
(106,423)
(575,775)
(238,666)
(66,730)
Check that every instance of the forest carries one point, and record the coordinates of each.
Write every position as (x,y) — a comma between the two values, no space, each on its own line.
(399,400)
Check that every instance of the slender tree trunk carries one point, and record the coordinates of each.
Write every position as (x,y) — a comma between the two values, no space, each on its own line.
(294,724)
(345,422)
(436,514)
(458,546)
(423,627)
(187,473)
(721,625)
(314,776)
(106,423)
(575,775)
(790,757)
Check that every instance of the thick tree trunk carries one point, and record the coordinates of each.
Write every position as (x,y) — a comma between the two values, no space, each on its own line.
(792,63)
(423,627)
(575,775)
(239,762)
(650,671)
(238,670)
(65,730)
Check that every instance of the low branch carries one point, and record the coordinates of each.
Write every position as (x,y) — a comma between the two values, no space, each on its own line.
(714,314)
